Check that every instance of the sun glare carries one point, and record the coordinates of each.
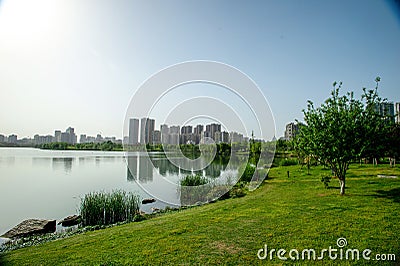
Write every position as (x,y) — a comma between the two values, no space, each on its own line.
(26,21)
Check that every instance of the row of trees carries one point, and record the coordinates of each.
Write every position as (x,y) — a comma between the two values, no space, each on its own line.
(344,129)
(104,146)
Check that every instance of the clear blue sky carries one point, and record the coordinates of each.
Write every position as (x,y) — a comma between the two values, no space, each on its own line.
(77,63)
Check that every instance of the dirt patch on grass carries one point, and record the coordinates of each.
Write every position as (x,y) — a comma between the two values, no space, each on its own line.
(226,248)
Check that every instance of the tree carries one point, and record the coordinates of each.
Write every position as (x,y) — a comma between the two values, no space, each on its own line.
(393,143)
(304,153)
(340,130)
(376,125)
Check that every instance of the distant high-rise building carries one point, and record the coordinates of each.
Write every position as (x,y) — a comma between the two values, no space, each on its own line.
(186,135)
(42,139)
(174,135)
(2,138)
(186,130)
(133,131)
(225,137)
(82,138)
(146,130)
(57,136)
(291,131)
(212,129)
(164,129)
(90,139)
(174,129)
(72,137)
(198,129)
(235,137)
(12,139)
(99,138)
(65,137)
(386,110)
(157,137)
(397,112)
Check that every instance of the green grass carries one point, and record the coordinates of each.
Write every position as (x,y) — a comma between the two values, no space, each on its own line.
(289,213)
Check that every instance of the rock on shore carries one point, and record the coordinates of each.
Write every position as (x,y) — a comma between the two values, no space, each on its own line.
(70,220)
(31,227)
(147,201)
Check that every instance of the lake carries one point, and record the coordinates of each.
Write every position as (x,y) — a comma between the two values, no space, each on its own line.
(49,184)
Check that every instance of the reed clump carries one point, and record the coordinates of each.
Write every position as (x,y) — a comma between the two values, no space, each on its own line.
(102,208)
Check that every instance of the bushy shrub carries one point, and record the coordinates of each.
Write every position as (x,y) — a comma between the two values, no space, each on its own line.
(238,190)
(191,191)
(248,172)
(193,180)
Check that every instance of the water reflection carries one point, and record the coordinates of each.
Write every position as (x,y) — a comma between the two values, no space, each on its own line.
(140,168)
(132,168)
(145,170)
(8,161)
(42,161)
(62,163)
(143,173)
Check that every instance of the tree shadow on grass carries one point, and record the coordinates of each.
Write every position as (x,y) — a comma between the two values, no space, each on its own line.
(337,187)
(392,194)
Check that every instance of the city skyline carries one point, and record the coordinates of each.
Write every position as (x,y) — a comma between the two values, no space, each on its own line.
(133,137)
(82,72)
(178,134)
(68,136)
(389,108)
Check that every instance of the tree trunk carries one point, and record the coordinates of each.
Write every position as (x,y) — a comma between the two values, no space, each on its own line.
(342,183)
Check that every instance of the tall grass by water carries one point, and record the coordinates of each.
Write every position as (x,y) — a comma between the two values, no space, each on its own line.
(102,208)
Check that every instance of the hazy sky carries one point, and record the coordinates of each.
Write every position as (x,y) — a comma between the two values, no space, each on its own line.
(78,63)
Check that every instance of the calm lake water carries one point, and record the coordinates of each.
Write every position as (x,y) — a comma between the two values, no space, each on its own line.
(48,184)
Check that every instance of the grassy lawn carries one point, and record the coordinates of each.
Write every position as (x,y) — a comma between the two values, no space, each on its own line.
(288,213)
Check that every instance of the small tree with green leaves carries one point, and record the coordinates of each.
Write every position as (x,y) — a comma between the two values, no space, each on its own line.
(341,130)
(377,126)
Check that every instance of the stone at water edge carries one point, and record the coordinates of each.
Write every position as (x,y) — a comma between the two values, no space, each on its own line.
(31,227)
(70,220)
(146,201)
(155,209)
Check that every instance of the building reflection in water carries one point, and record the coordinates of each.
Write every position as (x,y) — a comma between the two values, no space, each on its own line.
(140,168)
(62,163)
(131,170)
(145,169)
